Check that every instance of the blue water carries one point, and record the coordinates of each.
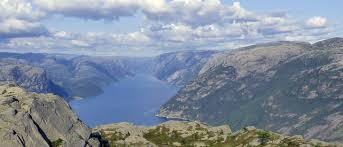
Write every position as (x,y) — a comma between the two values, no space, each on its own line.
(134,100)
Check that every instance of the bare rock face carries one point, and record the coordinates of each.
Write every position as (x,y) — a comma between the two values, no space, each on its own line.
(178,68)
(288,87)
(30,119)
(31,78)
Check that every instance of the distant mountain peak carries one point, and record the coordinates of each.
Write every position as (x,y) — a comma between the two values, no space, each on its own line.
(332,43)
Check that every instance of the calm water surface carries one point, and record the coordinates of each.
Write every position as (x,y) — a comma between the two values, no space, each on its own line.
(134,100)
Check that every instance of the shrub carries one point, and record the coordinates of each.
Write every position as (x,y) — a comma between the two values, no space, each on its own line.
(57,142)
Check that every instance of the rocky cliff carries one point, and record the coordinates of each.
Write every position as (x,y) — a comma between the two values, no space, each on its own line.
(27,76)
(288,87)
(178,68)
(30,119)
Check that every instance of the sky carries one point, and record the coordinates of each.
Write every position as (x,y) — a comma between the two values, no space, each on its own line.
(152,27)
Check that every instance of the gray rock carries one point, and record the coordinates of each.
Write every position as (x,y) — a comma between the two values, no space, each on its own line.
(178,68)
(39,120)
(25,75)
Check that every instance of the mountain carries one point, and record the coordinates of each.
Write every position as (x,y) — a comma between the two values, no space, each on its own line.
(32,78)
(178,68)
(89,75)
(30,119)
(333,43)
(27,76)
(74,76)
(288,87)
(174,134)
(65,75)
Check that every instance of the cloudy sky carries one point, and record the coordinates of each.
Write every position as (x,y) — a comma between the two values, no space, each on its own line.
(151,27)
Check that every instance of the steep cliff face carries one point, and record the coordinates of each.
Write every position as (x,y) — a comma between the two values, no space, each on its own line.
(30,119)
(180,67)
(288,87)
(27,76)
(89,75)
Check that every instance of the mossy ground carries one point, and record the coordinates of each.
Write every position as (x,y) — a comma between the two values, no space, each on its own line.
(194,136)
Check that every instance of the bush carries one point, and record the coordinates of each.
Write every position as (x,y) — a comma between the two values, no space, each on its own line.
(57,143)
(264,137)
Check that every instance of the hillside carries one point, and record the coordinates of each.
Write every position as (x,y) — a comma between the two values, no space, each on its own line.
(65,75)
(178,68)
(32,78)
(288,87)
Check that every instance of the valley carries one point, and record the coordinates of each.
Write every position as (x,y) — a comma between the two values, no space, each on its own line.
(135,99)
(287,87)
(291,88)
(46,120)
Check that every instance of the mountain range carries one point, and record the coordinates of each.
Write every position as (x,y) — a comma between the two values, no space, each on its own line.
(292,88)
(288,87)
(76,76)
(46,120)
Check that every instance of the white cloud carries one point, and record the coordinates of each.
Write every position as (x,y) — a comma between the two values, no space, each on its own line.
(62,34)
(199,13)
(316,21)
(20,9)
(11,27)
(190,12)
(79,43)
(170,25)
(19,19)
(96,9)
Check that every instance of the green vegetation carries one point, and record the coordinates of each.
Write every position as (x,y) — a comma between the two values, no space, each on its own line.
(162,136)
(112,138)
(57,143)
(199,135)
(264,137)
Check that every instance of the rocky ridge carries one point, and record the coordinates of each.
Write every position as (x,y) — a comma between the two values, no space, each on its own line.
(27,76)
(31,119)
(178,68)
(288,87)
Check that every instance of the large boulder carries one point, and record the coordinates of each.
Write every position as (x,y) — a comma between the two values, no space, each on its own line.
(30,119)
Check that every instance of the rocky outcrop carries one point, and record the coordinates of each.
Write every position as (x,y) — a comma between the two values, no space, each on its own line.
(30,119)
(175,133)
(178,68)
(288,87)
